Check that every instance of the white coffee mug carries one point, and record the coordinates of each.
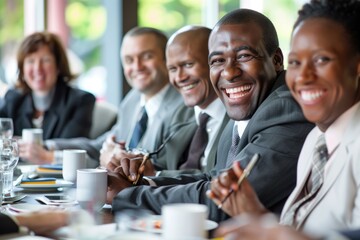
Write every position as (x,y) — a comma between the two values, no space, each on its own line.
(73,159)
(32,135)
(184,221)
(91,188)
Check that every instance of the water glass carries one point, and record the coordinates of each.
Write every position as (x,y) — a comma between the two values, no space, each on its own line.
(9,157)
(6,128)
(7,185)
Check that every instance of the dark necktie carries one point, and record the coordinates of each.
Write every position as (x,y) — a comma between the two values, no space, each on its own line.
(139,129)
(320,157)
(198,145)
(234,145)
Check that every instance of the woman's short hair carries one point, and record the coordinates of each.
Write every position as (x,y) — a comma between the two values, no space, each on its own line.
(31,44)
(344,12)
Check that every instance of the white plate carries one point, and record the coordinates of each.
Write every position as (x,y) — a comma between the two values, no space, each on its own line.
(26,207)
(140,225)
(59,183)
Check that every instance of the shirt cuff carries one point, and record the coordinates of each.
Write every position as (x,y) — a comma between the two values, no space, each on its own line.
(50,145)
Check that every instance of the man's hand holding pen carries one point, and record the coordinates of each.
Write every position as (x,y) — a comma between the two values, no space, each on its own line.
(132,164)
(126,169)
(233,196)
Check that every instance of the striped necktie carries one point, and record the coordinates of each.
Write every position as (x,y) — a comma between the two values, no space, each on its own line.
(235,139)
(317,177)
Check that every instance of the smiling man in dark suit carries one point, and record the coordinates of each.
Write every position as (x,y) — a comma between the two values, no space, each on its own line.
(246,70)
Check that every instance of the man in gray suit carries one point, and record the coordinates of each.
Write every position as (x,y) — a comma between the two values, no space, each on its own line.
(143,59)
(186,60)
(246,70)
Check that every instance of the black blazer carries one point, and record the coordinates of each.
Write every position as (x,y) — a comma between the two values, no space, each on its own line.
(69,116)
(277,131)
(7,225)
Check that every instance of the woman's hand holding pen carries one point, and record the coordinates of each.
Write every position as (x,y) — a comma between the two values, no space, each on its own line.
(242,200)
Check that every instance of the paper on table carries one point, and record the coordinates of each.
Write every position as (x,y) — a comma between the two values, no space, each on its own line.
(92,231)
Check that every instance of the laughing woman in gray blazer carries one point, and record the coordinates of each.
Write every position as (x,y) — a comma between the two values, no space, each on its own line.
(323,76)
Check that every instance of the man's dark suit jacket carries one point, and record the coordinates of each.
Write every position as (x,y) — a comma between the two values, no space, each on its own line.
(7,225)
(69,116)
(276,131)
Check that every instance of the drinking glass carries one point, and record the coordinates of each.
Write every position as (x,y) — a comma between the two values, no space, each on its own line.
(6,128)
(9,157)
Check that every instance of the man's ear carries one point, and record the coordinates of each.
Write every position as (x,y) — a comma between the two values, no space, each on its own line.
(278,60)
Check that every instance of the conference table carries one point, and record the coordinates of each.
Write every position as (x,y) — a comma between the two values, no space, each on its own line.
(102,221)
(84,223)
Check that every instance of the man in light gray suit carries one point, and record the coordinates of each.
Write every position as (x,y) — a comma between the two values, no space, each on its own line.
(186,60)
(143,60)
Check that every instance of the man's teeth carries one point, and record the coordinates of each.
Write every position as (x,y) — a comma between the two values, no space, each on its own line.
(238,89)
(238,92)
(188,87)
(310,96)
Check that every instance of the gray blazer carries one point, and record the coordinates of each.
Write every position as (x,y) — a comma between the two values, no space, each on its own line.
(128,111)
(337,205)
(181,127)
(277,131)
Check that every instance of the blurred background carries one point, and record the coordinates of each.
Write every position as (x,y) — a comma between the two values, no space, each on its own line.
(92,31)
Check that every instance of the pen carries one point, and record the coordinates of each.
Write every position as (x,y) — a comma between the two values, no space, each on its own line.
(145,158)
(245,173)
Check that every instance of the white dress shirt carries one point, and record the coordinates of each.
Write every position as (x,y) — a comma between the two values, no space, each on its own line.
(241,125)
(216,110)
(152,105)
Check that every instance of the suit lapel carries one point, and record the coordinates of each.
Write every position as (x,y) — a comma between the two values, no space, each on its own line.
(167,102)
(223,148)
(185,133)
(148,139)
(27,109)
(49,124)
(212,154)
(299,188)
(51,117)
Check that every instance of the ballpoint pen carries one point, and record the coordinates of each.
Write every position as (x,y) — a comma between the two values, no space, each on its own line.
(245,173)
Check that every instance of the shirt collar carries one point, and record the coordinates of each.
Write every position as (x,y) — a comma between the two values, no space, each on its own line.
(152,105)
(216,110)
(335,132)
